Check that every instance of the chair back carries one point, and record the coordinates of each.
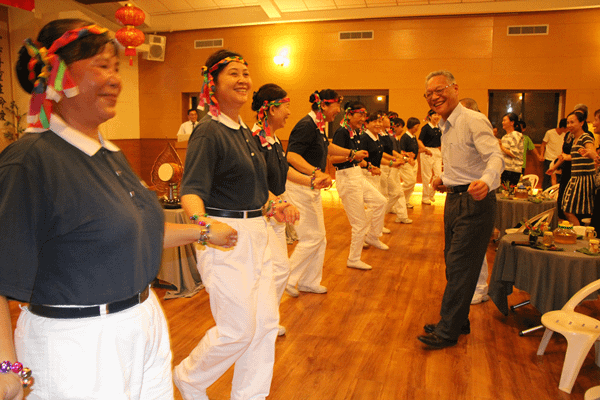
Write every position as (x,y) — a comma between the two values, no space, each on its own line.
(545,216)
(533,178)
(552,191)
(581,295)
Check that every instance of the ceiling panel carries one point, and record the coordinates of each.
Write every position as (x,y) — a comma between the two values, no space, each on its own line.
(350,3)
(152,6)
(291,5)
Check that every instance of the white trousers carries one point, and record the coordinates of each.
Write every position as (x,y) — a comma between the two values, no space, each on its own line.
(356,193)
(482,285)
(408,175)
(431,166)
(279,256)
(389,186)
(306,262)
(121,356)
(243,303)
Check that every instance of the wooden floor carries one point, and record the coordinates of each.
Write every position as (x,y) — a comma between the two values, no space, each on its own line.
(358,342)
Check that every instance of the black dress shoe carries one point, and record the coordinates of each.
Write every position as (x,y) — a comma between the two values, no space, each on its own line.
(464,330)
(433,340)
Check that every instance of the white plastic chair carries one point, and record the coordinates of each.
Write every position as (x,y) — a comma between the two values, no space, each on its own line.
(552,191)
(533,178)
(580,330)
(545,216)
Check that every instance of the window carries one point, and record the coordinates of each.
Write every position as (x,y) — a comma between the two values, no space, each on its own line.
(540,109)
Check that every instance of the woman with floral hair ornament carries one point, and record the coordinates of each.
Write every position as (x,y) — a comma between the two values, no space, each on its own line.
(225,182)
(273,109)
(307,152)
(354,190)
(86,236)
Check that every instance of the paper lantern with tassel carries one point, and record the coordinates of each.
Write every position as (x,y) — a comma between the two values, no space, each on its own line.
(130,37)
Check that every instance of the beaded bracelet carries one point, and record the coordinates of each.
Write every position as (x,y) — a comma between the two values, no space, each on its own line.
(17,368)
(312,178)
(352,155)
(369,166)
(274,207)
(204,233)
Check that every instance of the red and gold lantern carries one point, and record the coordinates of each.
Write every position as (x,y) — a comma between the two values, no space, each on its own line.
(130,16)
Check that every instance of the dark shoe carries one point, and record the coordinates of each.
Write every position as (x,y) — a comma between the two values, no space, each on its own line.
(433,340)
(430,328)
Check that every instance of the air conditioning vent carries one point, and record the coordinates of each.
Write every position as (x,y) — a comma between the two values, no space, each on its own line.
(207,44)
(359,35)
(528,30)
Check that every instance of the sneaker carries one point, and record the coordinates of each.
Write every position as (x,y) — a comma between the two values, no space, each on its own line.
(292,291)
(403,220)
(377,243)
(428,202)
(319,289)
(385,230)
(281,331)
(358,265)
(408,205)
(480,298)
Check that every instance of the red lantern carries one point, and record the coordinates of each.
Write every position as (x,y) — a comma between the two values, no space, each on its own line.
(130,37)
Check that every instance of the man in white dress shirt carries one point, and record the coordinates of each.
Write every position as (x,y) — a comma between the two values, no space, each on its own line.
(473,164)
(186,129)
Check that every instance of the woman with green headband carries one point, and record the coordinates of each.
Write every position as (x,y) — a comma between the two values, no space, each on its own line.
(273,109)
(225,185)
(83,237)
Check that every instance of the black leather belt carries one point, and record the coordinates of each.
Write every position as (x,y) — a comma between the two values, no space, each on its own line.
(457,189)
(92,311)
(345,167)
(215,212)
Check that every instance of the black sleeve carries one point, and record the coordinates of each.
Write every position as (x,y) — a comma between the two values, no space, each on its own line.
(200,161)
(302,137)
(341,138)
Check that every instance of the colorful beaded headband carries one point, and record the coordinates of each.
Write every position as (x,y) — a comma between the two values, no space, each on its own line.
(346,121)
(319,113)
(264,133)
(207,93)
(55,80)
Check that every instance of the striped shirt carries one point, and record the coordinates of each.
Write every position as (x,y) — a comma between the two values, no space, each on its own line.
(581,165)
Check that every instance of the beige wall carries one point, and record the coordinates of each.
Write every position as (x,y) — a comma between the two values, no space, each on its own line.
(25,24)
(476,49)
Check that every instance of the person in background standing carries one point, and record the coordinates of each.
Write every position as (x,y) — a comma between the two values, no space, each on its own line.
(511,145)
(410,145)
(550,150)
(186,129)
(431,156)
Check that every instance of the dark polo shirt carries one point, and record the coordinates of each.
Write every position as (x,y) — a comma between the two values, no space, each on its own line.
(224,167)
(277,165)
(374,147)
(77,226)
(307,141)
(342,138)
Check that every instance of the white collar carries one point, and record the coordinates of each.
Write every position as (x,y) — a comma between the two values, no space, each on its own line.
(409,134)
(228,122)
(313,115)
(372,135)
(74,137)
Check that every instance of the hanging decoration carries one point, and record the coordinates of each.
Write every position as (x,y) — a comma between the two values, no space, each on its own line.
(130,16)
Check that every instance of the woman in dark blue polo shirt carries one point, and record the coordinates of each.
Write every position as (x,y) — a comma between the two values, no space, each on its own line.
(82,236)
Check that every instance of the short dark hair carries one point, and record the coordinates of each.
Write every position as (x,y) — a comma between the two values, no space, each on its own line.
(326,94)
(563,122)
(412,122)
(354,105)
(267,92)
(580,116)
(397,121)
(373,116)
(192,109)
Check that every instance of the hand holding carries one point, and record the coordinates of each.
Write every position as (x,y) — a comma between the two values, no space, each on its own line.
(361,155)
(222,234)
(10,387)
(322,182)
(438,185)
(375,171)
(290,214)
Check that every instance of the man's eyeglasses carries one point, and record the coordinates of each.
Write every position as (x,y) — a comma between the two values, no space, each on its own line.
(438,91)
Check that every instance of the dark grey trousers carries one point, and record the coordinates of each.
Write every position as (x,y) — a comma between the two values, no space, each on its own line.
(468,226)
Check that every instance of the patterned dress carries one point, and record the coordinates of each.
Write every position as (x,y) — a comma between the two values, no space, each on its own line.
(579,193)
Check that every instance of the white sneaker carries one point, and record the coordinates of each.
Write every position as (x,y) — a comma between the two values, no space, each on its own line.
(292,291)
(358,265)
(480,298)
(408,205)
(428,202)
(385,230)
(377,243)
(281,330)
(319,289)
(403,220)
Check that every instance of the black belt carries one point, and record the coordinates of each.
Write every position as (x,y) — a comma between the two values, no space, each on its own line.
(345,167)
(457,189)
(92,311)
(215,212)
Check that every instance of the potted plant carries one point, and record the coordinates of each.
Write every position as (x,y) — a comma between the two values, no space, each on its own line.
(14,129)
(535,231)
